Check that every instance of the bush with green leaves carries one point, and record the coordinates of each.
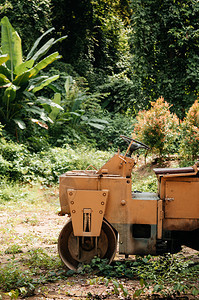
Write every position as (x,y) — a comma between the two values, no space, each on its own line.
(189,145)
(157,127)
(79,110)
(19,80)
(120,95)
(12,277)
(109,138)
(19,164)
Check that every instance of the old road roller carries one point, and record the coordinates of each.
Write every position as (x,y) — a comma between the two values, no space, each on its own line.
(105,211)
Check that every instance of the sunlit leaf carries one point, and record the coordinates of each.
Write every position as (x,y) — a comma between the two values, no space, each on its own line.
(10,43)
(9,94)
(41,124)
(25,66)
(3,58)
(4,80)
(43,50)
(20,123)
(30,54)
(55,110)
(45,82)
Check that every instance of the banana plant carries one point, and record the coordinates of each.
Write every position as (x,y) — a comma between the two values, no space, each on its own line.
(76,104)
(20,81)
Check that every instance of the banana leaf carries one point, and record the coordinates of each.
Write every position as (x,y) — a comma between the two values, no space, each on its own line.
(35,110)
(55,110)
(39,111)
(20,123)
(43,50)
(10,44)
(31,53)
(44,63)
(5,71)
(44,83)
(24,77)
(33,82)
(60,39)
(25,66)
(44,101)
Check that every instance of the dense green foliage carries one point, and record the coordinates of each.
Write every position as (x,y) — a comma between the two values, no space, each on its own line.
(118,58)
(29,18)
(17,163)
(151,45)
(165,43)
(96,32)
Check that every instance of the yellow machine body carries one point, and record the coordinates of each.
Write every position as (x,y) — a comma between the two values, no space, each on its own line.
(102,201)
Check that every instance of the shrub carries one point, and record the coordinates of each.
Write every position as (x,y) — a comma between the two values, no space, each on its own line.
(17,163)
(120,95)
(157,127)
(109,138)
(189,146)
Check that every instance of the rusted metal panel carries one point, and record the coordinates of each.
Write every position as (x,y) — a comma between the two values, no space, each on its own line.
(142,211)
(76,182)
(130,245)
(182,199)
(118,165)
(87,210)
(119,197)
(180,224)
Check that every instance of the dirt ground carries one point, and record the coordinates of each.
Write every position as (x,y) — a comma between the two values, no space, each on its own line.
(32,224)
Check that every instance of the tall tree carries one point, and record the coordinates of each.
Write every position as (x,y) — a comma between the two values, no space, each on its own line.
(165,47)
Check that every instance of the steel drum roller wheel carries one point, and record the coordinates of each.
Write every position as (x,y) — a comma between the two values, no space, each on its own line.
(74,250)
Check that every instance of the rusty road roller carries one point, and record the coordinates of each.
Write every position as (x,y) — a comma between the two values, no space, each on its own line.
(104,211)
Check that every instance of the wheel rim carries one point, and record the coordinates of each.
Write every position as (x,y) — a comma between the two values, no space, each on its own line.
(74,250)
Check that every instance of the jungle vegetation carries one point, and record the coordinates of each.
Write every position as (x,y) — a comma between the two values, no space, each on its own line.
(83,72)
